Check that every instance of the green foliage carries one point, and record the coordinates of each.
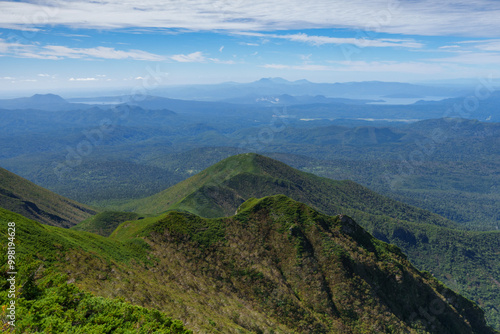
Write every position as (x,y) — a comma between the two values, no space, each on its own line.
(20,195)
(58,307)
(202,231)
(423,236)
(332,265)
(48,243)
(104,223)
(278,265)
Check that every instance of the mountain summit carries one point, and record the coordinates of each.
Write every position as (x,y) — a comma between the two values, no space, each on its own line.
(280,266)
(220,189)
(46,99)
(431,242)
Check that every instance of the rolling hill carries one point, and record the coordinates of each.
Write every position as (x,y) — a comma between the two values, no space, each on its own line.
(45,299)
(431,242)
(26,198)
(219,190)
(278,266)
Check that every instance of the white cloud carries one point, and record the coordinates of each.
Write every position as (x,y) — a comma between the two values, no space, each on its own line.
(276,66)
(221,48)
(477,18)
(471,58)
(305,57)
(198,57)
(304,67)
(195,57)
(60,52)
(365,67)
(413,67)
(449,47)
(83,79)
(98,53)
(488,45)
(44,75)
(321,40)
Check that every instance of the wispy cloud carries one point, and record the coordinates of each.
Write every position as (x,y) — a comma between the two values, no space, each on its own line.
(471,58)
(484,45)
(304,67)
(61,52)
(98,53)
(413,67)
(195,57)
(364,66)
(448,17)
(321,40)
(83,79)
(198,57)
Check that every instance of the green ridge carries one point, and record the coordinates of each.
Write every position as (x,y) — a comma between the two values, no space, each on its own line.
(104,223)
(277,266)
(24,197)
(466,261)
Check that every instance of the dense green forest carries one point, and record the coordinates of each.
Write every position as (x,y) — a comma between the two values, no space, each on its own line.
(447,166)
(432,243)
(277,266)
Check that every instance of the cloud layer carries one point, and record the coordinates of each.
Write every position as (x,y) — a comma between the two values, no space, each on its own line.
(477,18)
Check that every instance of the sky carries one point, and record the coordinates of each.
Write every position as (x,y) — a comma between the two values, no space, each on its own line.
(87,46)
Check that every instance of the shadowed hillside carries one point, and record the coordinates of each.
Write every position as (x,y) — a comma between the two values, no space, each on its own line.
(26,198)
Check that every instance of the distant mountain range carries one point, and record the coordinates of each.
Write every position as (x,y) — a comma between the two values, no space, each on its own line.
(307,100)
(49,102)
(264,91)
(280,86)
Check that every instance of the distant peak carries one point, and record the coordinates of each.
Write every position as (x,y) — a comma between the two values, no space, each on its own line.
(274,80)
(47,98)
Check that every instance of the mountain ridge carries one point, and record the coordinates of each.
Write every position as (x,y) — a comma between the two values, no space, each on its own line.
(219,190)
(289,266)
(270,227)
(24,197)
(229,172)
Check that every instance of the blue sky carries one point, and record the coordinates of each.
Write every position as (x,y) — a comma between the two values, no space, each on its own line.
(52,46)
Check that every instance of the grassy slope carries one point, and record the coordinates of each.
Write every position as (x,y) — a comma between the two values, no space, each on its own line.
(45,302)
(24,197)
(104,223)
(466,261)
(306,271)
(277,266)
(171,197)
(230,182)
